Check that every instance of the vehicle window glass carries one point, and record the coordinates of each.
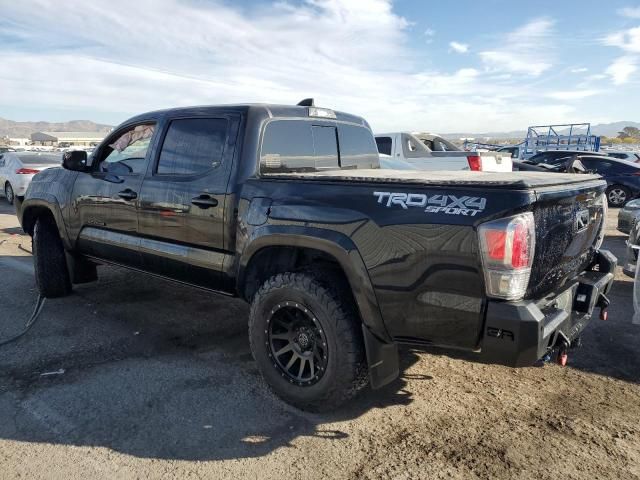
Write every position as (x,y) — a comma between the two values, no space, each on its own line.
(412,147)
(325,146)
(384,145)
(48,159)
(441,145)
(287,146)
(619,167)
(429,144)
(618,155)
(357,147)
(127,153)
(192,145)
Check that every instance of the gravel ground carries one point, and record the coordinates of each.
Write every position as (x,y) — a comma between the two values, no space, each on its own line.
(134,377)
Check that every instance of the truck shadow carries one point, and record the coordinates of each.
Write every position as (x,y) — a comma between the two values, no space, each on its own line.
(155,370)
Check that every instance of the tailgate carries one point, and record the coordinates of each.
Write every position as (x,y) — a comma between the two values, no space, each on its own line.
(569,226)
(496,161)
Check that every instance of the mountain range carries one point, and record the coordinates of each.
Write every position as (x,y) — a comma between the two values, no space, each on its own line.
(602,129)
(12,129)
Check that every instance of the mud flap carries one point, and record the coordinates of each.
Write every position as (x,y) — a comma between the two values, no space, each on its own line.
(382,359)
(80,270)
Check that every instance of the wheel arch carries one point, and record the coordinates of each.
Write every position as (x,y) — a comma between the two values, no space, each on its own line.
(32,209)
(272,250)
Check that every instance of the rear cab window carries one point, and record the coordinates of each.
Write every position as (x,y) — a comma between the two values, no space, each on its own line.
(309,146)
(384,145)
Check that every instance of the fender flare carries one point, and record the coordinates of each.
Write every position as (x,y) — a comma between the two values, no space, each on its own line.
(333,243)
(49,202)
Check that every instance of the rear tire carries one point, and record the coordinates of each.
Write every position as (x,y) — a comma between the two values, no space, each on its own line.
(299,312)
(52,274)
(8,193)
(618,195)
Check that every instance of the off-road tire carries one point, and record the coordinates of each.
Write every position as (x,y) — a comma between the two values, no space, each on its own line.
(346,370)
(52,274)
(9,193)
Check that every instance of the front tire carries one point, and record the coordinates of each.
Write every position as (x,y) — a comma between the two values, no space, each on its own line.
(8,193)
(618,195)
(52,274)
(307,341)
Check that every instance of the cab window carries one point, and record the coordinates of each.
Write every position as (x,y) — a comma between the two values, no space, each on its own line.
(126,153)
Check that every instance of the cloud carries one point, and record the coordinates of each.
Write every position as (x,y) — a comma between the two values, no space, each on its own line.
(629,12)
(628,40)
(527,50)
(571,94)
(579,70)
(621,69)
(120,58)
(459,47)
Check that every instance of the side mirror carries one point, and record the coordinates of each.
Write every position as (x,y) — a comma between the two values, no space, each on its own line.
(75,160)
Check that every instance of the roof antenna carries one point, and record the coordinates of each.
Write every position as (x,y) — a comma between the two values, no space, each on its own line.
(307,102)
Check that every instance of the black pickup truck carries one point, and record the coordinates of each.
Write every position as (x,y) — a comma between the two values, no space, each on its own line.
(286,207)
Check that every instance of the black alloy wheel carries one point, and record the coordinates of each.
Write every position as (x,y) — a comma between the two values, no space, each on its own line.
(297,344)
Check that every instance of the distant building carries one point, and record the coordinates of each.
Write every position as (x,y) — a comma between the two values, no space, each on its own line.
(56,139)
(18,142)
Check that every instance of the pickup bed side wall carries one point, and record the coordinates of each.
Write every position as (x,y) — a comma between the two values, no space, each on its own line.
(423,266)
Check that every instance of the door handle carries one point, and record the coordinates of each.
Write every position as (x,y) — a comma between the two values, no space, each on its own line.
(204,201)
(128,194)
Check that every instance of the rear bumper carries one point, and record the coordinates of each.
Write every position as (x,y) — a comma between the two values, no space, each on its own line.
(518,334)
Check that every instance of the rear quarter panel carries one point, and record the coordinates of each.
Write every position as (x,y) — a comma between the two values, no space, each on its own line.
(422,259)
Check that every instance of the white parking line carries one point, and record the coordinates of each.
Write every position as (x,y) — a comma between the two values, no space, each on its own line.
(18,265)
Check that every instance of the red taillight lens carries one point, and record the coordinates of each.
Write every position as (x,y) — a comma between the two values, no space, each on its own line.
(495,240)
(507,247)
(27,171)
(475,162)
(520,247)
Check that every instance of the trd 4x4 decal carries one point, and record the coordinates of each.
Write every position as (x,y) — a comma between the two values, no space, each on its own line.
(449,204)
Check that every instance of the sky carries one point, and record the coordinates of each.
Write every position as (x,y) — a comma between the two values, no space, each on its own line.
(457,66)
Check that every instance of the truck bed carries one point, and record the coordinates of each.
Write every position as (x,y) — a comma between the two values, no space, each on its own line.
(511,180)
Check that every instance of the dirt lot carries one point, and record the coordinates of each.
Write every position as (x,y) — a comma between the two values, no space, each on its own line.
(134,377)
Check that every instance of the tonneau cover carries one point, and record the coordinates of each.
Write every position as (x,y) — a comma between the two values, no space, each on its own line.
(514,180)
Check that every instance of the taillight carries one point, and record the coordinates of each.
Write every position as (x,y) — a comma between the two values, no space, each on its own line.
(475,162)
(27,171)
(506,248)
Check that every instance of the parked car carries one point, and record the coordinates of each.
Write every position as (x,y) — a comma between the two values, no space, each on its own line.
(4,149)
(17,170)
(341,261)
(628,216)
(413,148)
(552,157)
(631,255)
(623,178)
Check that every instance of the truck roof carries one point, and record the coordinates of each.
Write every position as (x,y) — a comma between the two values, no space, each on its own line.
(266,110)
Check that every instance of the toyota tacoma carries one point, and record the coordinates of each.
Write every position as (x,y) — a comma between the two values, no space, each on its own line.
(340,261)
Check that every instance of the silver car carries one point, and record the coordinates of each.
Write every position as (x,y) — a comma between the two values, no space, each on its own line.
(628,216)
(631,257)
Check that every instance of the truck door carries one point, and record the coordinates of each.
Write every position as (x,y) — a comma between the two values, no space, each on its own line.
(104,201)
(182,200)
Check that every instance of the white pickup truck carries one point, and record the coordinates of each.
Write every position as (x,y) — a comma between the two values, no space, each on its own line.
(425,151)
